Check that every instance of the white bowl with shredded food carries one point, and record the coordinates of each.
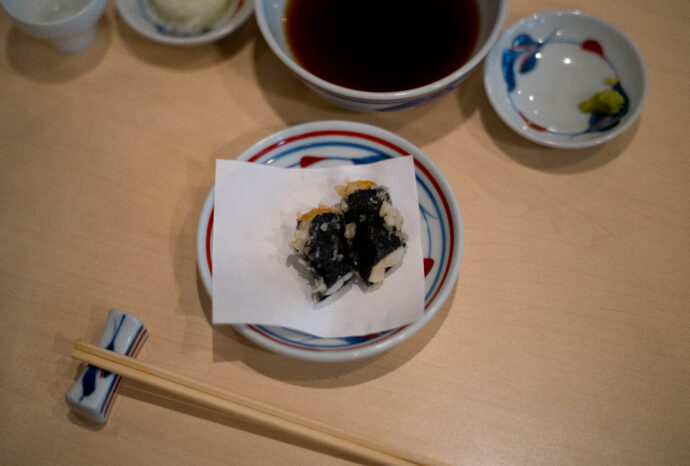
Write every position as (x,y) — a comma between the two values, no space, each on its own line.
(185,22)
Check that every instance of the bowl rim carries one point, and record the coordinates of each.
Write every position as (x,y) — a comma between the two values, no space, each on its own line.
(243,12)
(382,97)
(536,137)
(396,335)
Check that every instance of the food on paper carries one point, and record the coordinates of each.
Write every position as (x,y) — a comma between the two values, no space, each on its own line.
(362,234)
(373,228)
(321,245)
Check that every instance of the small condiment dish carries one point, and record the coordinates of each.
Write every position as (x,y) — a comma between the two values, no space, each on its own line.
(270,15)
(545,65)
(141,17)
(70,25)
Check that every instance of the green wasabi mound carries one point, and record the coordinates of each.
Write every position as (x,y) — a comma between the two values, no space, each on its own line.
(608,102)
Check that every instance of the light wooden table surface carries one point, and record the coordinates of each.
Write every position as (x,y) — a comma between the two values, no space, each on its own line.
(565,341)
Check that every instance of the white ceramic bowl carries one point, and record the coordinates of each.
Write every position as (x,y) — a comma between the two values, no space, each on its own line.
(353,143)
(270,14)
(69,25)
(546,64)
(140,18)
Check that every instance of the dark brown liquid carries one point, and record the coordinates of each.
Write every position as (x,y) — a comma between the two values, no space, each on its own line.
(382,45)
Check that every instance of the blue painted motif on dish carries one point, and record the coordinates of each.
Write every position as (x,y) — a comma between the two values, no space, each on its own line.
(525,51)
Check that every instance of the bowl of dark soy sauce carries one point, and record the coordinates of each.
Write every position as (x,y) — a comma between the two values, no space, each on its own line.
(381,55)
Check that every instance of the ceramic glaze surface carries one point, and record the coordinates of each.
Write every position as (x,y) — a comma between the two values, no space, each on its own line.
(544,79)
(545,65)
(92,395)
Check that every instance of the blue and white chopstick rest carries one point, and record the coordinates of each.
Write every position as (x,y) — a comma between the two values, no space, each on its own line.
(92,395)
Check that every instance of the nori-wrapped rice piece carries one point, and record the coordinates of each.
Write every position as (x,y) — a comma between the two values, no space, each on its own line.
(320,243)
(373,228)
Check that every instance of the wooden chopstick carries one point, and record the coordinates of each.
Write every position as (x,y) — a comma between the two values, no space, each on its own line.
(249,409)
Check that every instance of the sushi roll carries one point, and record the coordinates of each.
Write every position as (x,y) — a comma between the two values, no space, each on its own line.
(320,244)
(373,229)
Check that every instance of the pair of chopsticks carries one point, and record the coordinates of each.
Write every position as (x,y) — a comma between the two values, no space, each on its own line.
(246,408)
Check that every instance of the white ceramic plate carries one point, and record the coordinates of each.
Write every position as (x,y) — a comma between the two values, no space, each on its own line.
(544,65)
(441,224)
(137,15)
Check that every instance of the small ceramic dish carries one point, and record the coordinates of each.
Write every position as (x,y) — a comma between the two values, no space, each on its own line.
(545,65)
(353,143)
(143,19)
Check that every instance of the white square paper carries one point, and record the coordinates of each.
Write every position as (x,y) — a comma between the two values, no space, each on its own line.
(255,280)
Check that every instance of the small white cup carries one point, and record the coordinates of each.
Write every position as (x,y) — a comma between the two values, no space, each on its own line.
(70,25)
